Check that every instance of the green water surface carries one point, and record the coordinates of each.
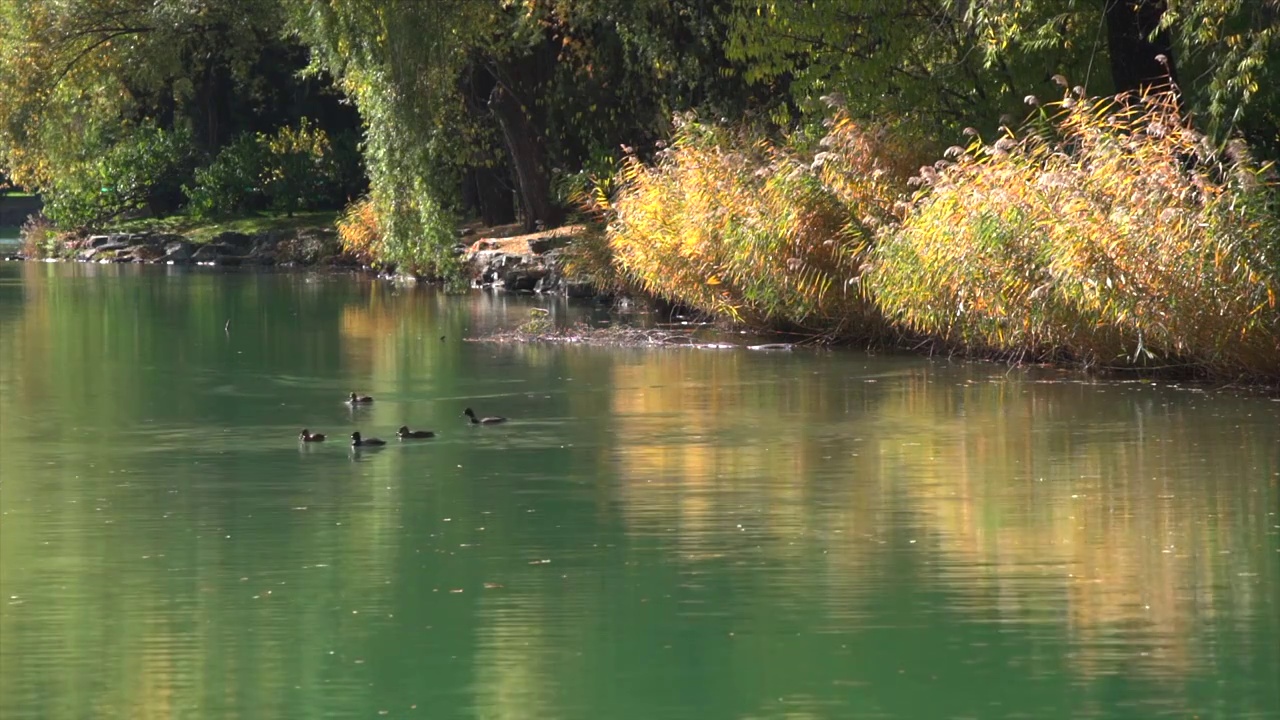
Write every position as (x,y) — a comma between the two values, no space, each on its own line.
(657,533)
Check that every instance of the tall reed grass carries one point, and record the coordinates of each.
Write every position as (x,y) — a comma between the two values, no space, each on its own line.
(359,231)
(736,225)
(1107,230)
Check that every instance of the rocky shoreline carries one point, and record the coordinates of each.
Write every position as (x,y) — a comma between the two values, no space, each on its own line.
(526,264)
(228,249)
(519,263)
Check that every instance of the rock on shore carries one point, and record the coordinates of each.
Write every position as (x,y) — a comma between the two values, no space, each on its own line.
(307,246)
(526,263)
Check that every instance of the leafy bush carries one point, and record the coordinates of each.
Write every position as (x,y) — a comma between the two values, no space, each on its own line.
(299,166)
(365,233)
(735,225)
(296,168)
(232,183)
(1109,232)
(144,168)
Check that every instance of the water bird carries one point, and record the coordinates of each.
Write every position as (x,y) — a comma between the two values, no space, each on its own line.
(405,433)
(308,436)
(357,441)
(355,399)
(491,420)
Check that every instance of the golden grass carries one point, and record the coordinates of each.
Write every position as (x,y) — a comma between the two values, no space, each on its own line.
(1108,231)
(737,226)
(359,230)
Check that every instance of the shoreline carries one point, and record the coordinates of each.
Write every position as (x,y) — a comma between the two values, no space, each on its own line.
(500,259)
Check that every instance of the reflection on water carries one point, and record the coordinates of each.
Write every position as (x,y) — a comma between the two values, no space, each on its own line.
(657,533)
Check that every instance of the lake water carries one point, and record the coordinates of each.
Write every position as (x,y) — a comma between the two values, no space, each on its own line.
(657,533)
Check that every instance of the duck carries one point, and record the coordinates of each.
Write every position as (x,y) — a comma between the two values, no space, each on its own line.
(406,434)
(308,436)
(359,399)
(357,441)
(491,420)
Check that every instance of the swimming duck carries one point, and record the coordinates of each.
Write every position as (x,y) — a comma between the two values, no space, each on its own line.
(357,441)
(359,399)
(308,436)
(491,420)
(406,434)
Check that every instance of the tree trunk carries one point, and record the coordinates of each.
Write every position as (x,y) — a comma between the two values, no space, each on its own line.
(1134,43)
(528,158)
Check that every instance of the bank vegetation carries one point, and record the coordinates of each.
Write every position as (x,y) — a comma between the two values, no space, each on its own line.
(920,172)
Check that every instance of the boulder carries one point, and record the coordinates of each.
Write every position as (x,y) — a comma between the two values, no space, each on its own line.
(204,253)
(239,241)
(523,278)
(580,289)
(177,251)
(546,244)
(212,252)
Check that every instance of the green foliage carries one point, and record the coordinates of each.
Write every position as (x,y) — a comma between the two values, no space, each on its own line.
(1108,234)
(586,75)
(298,166)
(1232,50)
(142,169)
(232,183)
(1226,53)
(72,71)
(295,169)
(935,64)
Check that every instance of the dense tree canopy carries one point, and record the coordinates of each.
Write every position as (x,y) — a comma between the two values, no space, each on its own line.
(485,106)
(82,79)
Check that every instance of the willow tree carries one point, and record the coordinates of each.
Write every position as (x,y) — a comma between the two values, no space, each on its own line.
(553,84)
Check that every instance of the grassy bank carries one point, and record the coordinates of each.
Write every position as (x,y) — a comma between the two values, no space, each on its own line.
(1104,232)
(201,231)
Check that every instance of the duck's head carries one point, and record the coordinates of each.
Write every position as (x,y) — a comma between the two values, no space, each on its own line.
(354,397)
(305,432)
(355,437)
(404,430)
(469,413)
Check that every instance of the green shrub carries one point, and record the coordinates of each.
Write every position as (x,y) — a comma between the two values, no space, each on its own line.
(142,169)
(232,183)
(294,169)
(299,166)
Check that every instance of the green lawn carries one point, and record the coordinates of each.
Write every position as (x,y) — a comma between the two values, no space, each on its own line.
(203,230)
